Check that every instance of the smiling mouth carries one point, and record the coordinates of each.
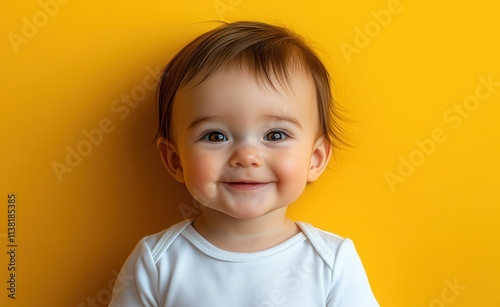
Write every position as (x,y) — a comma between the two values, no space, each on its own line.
(246,185)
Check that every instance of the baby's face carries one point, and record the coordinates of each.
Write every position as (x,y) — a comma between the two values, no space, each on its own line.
(245,150)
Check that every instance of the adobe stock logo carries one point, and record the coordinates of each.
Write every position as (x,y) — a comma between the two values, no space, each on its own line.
(293,279)
(223,6)
(454,116)
(116,284)
(449,294)
(30,26)
(91,138)
(363,36)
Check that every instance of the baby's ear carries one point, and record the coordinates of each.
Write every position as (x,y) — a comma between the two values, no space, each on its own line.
(171,159)
(320,156)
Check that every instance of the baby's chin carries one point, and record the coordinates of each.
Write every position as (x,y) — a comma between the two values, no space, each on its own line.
(249,213)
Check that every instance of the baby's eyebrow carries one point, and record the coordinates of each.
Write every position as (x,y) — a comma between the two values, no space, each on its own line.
(285,118)
(199,120)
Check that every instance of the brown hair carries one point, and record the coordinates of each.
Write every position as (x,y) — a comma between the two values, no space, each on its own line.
(266,49)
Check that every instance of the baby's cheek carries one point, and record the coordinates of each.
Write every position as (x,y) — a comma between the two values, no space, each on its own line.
(292,169)
(201,178)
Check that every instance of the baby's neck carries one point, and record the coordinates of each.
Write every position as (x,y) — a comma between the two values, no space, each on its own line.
(245,236)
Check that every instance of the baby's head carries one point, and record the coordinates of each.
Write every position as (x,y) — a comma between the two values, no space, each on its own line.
(265,49)
(246,118)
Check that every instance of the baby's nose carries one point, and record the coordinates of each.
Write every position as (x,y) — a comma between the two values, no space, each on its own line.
(246,156)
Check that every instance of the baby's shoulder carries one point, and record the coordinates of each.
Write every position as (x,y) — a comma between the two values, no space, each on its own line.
(333,241)
(159,242)
(327,244)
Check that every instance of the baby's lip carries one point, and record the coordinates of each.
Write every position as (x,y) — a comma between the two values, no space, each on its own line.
(243,181)
(245,184)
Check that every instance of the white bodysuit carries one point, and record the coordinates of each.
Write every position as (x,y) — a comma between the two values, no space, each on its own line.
(179,268)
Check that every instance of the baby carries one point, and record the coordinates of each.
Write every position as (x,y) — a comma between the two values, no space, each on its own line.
(246,121)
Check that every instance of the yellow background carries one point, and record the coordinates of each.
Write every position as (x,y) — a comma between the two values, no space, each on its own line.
(429,239)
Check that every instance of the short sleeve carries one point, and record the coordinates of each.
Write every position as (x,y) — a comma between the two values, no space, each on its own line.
(136,284)
(350,286)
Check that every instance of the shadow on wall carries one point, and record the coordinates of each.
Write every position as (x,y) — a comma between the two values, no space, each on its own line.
(164,194)
(139,196)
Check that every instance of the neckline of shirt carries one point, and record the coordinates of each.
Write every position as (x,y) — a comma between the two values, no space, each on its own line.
(213,251)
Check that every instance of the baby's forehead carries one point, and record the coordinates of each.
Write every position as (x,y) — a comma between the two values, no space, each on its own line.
(236,91)
(281,81)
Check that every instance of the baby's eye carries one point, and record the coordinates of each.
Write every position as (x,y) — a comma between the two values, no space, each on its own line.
(275,135)
(215,136)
